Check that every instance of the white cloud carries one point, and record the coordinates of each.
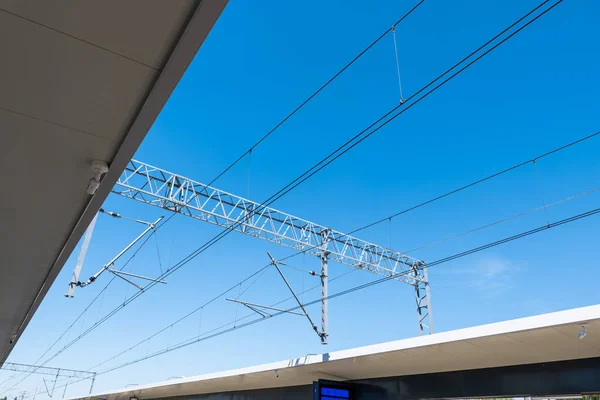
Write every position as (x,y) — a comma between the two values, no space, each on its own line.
(493,275)
(490,276)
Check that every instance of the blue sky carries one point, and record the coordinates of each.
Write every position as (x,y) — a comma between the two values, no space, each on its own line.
(535,93)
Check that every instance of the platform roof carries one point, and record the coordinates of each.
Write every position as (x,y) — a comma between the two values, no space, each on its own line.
(542,338)
(81,81)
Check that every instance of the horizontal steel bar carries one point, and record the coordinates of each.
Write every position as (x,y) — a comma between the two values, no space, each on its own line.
(246,303)
(114,271)
(38,369)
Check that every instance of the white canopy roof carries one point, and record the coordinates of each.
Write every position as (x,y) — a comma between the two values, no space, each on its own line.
(81,81)
(541,338)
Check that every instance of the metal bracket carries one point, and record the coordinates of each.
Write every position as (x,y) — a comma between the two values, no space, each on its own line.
(107,266)
(120,274)
(254,306)
(312,324)
(261,309)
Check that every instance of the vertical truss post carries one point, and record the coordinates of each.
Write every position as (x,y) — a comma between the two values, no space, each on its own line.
(54,384)
(93,381)
(324,255)
(423,298)
(46,386)
(65,391)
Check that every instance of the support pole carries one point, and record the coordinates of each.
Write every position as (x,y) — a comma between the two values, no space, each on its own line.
(46,386)
(422,298)
(324,287)
(93,381)
(428,295)
(54,384)
(65,391)
(324,301)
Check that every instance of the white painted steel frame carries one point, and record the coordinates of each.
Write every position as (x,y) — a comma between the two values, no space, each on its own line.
(160,188)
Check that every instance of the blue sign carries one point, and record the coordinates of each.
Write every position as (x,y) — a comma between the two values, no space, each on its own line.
(328,390)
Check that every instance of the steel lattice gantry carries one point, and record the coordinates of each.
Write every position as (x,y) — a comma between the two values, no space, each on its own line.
(160,188)
(39,369)
(56,372)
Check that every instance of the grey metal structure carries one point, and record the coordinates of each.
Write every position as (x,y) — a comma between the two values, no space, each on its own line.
(56,372)
(107,267)
(323,256)
(262,309)
(164,189)
(37,369)
(323,334)
(423,300)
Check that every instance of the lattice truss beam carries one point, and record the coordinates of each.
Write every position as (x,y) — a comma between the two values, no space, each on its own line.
(160,188)
(37,369)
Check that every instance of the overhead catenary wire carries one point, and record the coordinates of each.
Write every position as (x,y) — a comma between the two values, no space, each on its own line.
(86,309)
(212,300)
(102,292)
(541,188)
(336,154)
(158,254)
(412,104)
(257,274)
(101,304)
(201,337)
(360,287)
(207,335)
(515,237)
(314,94)
(277,126)
(397,64)
(500,221)
(477,182)
(221,295)
(97,323)
(326,161)
(363,286)
(365,133)
(462,254)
